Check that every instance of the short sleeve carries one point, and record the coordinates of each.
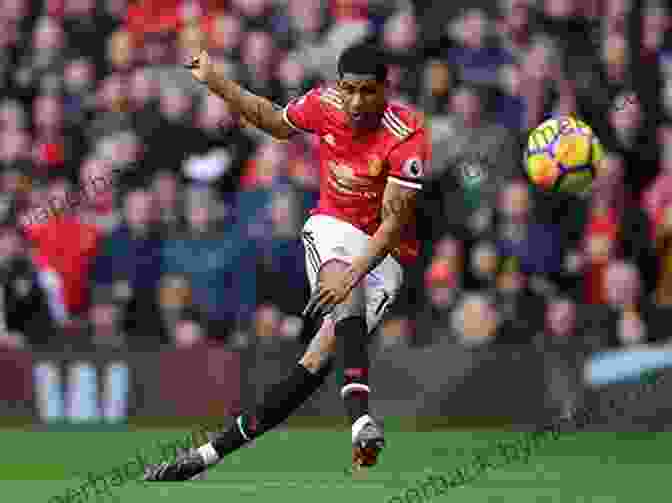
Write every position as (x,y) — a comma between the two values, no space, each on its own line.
(304,113)
(409,160)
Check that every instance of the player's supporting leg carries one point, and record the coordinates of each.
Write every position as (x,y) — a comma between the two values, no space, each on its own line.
(350,328)
(279,402)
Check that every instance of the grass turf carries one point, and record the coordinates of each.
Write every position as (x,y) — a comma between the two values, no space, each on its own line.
(307,465)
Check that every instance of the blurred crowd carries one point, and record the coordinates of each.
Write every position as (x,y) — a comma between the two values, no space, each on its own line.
(196,240)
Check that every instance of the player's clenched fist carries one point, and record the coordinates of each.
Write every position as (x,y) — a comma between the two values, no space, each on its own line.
(200,66)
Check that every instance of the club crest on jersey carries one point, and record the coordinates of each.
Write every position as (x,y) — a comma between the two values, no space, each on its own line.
(413,168)
(375,166)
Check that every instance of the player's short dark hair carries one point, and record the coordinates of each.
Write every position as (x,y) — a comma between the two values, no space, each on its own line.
(363,59)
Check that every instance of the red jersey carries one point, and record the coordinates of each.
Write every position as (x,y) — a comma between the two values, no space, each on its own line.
(354,169)
(68,247)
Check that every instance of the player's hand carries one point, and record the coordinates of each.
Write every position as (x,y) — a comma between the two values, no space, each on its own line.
(200,66)
(330,292)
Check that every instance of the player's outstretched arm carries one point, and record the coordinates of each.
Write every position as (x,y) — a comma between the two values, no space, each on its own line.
(257,110)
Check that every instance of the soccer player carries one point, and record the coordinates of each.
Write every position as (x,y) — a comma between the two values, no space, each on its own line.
(357,241)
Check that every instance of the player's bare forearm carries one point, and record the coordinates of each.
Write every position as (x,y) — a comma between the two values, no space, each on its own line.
(257,110)
(398,211)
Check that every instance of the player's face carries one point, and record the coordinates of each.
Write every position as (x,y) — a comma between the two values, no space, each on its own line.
(364,102)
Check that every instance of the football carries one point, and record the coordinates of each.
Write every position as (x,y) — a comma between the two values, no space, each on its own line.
(562,154)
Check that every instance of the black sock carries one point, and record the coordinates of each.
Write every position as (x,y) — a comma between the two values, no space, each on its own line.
(351,335)
(309,329)
(280,401)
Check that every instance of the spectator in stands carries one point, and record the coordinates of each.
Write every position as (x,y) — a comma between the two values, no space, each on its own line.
(267,320)
(13,116)
(520,305)
(175,301)
(258,58)
(120,52)
(303,24)
(444,277)
(15,151)
(656,24)
(100,185)
(188,333)
(348,25)
(46,56)
(475,320)
(166,192)
(219,264)
(220,131)
(133,281)
(474,137)
(633,317)
(479,60)
(395,332)
(514,27)
(623,295)
(537,246)
(63,249)
(164,148)
(255,14)
(635,140)
(105,324)
(83,25)
(8,54)
(112,109)
(399,38)
(608,229)
(79,89)
(284,261)
(561,318)
(293,77)
(441,286)
(439,81)
(562,347)
(24,312)
(659,194)
(263,173)
(146,119)
(659,198)
(225,36)
(511,105)
(49,146)
(483,264)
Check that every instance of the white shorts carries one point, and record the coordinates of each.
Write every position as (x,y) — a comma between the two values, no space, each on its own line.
(327,238)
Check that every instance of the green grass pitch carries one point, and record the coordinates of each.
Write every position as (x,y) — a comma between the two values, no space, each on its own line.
(301,465)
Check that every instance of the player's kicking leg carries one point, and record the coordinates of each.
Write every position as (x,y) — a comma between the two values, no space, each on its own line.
(352,340)
(280,401)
